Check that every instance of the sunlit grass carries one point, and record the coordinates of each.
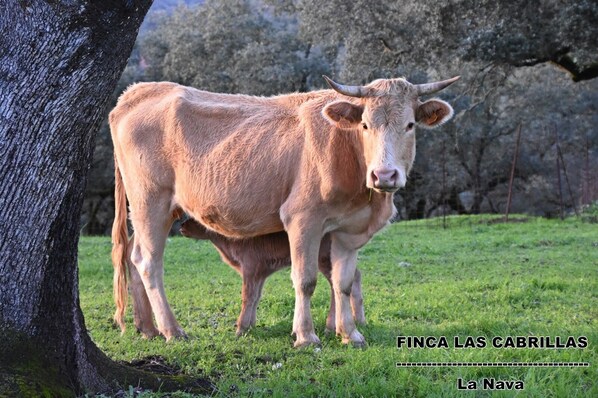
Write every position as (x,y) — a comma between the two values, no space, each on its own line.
(475,278)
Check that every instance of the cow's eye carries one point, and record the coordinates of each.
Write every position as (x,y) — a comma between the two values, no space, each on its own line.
(410,126)
(365,126)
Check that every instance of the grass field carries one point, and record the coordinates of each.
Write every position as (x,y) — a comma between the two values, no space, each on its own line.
(475,278)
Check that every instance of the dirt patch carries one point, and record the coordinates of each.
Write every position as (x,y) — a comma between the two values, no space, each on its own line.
(155,364)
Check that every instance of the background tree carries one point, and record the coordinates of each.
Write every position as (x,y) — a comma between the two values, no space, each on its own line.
(389,34)
(60,62)
(231,46)
(477,148)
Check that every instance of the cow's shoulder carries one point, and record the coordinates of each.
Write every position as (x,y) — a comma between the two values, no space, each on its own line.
(141,92)
(335,153)
(139,97)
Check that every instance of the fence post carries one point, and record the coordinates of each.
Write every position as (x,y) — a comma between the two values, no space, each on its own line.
(586,197)
(443,183)
(558,173)
(563,164)
(512,177)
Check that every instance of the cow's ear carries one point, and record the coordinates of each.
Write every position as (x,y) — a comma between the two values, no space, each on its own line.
(344,115)
(433,113)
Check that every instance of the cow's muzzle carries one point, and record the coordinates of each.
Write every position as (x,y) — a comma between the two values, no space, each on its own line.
(387,180)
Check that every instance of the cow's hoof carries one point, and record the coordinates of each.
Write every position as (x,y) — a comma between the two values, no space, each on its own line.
(241,331)
(307,340)
(178,334)
(177,338)
(149,333)
(356,339)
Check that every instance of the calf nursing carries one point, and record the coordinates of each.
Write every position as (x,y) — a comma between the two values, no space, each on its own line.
(255,259)
(323,163)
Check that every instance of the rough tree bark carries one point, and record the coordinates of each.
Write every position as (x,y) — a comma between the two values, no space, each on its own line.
(59,63)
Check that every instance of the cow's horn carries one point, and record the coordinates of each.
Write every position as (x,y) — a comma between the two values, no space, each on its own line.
(351,91)
(430,88)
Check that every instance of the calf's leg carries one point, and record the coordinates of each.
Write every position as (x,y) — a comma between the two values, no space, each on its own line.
(250,297)
(357,299)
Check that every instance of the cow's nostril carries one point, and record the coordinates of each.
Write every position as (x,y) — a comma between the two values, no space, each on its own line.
(374,177)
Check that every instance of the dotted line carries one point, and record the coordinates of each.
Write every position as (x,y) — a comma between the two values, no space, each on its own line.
(494,364)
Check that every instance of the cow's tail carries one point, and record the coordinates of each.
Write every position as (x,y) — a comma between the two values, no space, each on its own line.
(120,240)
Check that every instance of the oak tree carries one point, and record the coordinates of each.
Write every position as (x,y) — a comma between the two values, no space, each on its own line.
(59,63)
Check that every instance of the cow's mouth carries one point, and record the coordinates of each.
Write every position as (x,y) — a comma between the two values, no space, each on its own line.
(386,189)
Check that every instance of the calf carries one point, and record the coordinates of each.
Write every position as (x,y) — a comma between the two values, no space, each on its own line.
(257,258)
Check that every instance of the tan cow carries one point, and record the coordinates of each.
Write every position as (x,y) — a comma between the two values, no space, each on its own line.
(255,259)
(324,162)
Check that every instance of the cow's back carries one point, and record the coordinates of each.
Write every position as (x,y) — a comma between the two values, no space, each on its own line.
(229,161)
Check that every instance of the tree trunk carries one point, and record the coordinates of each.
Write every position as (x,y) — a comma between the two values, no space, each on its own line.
(59,63)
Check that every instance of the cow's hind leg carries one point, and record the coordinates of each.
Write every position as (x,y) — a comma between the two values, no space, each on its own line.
(142,309)
(331,318)
(344,260)
(152,225)
(326,269)
(251,293)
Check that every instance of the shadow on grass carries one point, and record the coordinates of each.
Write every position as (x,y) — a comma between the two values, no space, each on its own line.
(375,334)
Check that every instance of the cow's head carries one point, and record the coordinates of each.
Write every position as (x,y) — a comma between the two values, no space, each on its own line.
(192,229)
(386,115)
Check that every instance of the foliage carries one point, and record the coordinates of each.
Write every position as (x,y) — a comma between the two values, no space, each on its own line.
(590,213)
(231,46)
(477,148)
(478,278)
(397,34)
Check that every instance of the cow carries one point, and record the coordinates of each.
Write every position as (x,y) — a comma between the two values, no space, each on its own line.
(257,258)
(310,164)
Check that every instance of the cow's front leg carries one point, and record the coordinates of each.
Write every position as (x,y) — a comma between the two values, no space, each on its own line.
(304,244)
(344,261)
(356,300)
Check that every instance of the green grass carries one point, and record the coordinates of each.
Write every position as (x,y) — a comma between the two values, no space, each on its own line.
(474,278)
